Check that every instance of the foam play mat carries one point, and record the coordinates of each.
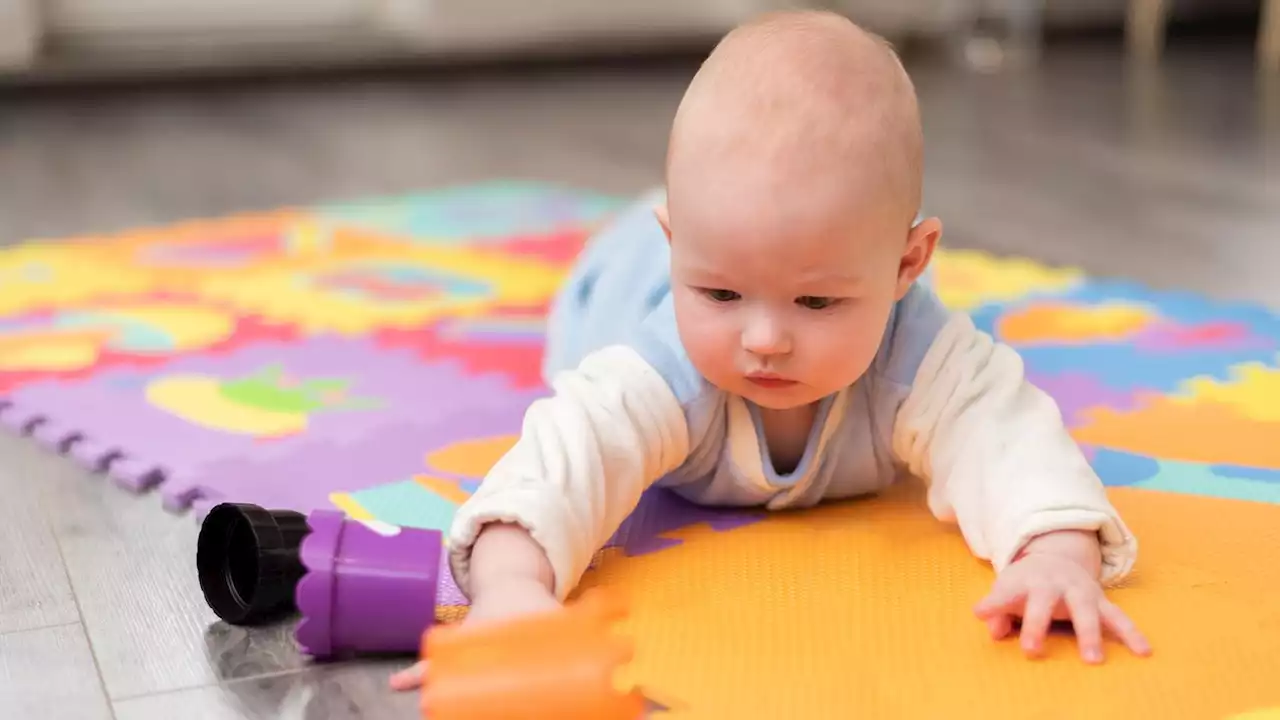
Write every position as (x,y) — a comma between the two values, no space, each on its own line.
(377,356)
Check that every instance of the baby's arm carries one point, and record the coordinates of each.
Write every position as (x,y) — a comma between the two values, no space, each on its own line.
(1000,462)
(997,456)
(611,429)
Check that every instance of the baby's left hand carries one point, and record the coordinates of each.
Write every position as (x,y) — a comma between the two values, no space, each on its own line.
(1057,579)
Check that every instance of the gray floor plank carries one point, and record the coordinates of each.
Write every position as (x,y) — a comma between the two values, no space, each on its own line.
(343,692)
(132,567)
(49,673)
(34,591)
(207,151)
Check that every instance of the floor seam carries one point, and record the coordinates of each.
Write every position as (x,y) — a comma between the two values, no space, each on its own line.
(220,683)
(75,598)
(38,628)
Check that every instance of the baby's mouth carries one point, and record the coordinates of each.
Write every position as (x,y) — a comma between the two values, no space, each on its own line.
(772,381)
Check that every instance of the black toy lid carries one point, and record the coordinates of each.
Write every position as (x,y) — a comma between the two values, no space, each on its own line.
(247,561)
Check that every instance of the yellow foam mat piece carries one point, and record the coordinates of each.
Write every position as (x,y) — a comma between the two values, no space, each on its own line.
(864,610)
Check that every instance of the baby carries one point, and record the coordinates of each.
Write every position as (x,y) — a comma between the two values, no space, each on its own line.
(766,338)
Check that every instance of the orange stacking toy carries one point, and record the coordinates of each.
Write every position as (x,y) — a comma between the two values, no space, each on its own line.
(559,664)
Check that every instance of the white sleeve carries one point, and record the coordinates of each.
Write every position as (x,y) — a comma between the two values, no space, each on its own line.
(611,428)
(996,454)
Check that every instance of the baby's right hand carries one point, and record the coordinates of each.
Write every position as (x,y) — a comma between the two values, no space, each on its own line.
(511,577)
(519,596)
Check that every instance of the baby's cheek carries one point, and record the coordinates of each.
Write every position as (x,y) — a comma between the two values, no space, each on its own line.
(847,352)
(703,336)
(705,344)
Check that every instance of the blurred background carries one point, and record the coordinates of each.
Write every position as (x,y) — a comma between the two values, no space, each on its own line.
(1133,137)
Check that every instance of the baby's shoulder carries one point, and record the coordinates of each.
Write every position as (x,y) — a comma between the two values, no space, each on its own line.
(914,324)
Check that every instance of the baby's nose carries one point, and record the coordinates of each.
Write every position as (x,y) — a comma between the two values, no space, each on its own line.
(764,336)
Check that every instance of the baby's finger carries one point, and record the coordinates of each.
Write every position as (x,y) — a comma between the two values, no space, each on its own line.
(1000,626)
(1083,608)
(1036,620)
(1124,628)
(409,678)
(1002,600)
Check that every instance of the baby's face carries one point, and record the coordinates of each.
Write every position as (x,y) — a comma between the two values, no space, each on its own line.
(783,303)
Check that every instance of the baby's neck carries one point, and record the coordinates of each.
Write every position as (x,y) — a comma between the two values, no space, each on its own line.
(787,434)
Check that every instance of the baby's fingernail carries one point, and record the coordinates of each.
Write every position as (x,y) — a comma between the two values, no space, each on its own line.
(1093,656)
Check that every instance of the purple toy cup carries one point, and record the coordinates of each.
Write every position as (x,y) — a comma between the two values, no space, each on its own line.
(365,591)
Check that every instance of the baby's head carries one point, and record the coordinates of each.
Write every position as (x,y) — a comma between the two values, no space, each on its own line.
(793,180)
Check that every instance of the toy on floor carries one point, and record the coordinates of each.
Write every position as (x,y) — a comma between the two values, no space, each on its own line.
(358,590)
(560,664)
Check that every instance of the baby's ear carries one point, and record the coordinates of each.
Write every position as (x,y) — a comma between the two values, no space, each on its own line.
(664,219)
(921,242)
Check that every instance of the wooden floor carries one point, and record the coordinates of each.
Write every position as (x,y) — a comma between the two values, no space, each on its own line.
(1169,177)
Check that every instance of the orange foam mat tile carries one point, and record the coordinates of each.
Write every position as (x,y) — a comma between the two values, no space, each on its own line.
(864,610)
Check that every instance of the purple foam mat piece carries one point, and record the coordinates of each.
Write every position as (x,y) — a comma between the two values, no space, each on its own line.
(662,512)
(1078,392)
(92,453)
(395,452)
(184,500)
(392,454)
(135,474)
(363,387)
(20,418)
(419,407)
(53,434)
(448,594)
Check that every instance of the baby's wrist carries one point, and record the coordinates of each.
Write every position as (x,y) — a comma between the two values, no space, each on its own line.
(1082,546)
(506,555)
(506,590)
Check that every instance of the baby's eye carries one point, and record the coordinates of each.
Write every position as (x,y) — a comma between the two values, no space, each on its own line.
(814,302)
(720,295)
